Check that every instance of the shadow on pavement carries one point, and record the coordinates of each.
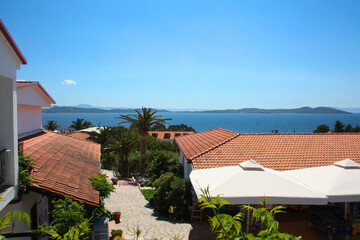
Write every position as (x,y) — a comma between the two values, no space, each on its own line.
(201,231)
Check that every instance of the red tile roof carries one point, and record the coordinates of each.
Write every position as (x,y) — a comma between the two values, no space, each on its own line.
(282,151)
(64,165)
(199,143)
(22,84)
(12,42)
(172,134)
(79,135)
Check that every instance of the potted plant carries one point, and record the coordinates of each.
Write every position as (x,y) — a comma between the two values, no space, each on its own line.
(116,233)
(114,180)
(117,216)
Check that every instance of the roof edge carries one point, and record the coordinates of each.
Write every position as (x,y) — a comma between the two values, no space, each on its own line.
(92,203)
(12,42)
(37,83)
(218,145)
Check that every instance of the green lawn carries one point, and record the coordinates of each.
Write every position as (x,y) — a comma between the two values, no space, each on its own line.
(148,193)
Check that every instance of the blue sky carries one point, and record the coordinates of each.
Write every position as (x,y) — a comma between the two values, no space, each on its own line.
(190,54)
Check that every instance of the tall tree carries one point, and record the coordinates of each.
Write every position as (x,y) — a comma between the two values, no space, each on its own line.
(79,124)
(51,125)
(338,127)
(322,129)
(143,120)
(348,128)
(356,128)
(101,136)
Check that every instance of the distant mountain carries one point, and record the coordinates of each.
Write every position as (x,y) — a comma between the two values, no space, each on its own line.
(91,106)
(352,110)
(317,110)
(58,109)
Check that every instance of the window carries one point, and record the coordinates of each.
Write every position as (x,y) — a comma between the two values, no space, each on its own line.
(155,135)
(167,136)
(177,134)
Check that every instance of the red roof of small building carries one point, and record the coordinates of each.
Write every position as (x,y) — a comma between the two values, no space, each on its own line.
(196,144)
(171,134)
(79,135)
(22,84)
(279,151)
(12,42)
(64,165)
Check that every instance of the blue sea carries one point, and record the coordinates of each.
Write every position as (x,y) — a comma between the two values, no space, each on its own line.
(238,122)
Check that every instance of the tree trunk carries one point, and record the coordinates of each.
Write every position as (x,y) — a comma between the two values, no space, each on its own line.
(143,137)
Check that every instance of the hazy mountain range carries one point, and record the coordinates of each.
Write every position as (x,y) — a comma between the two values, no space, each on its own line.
(85,108)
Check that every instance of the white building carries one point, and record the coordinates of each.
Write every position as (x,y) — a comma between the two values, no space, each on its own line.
(10,60)
(31,97)
(63,164)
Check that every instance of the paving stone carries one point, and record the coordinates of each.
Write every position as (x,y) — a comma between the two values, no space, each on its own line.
(136,212)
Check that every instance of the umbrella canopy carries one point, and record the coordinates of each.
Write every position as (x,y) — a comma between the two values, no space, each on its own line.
(340,182)
(250,182)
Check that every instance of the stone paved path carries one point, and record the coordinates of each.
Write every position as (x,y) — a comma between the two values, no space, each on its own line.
(136,212)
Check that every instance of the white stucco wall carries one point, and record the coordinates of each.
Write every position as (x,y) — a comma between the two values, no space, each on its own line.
(29,119)
(25,205)
(187,167)
(9,62)
(8,116)
(33,96)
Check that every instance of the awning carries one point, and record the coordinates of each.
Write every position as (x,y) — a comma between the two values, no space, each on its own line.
(340,182)
(249,183)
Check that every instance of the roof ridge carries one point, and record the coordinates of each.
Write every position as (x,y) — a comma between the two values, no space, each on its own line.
(243,134)
(213,147)
(78,138)
(32,83)
(206,131)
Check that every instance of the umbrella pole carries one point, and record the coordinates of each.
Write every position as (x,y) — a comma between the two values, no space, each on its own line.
(248,220)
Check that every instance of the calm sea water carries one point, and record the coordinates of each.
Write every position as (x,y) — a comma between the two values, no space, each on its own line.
(242,122)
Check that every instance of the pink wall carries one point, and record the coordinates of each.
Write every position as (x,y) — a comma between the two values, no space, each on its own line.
(29,118)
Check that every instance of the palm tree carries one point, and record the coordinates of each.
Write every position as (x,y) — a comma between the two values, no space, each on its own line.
(51,125)
(100,136)
(143,120)
(79,124)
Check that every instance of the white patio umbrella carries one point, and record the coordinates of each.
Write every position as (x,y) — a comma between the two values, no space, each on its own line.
(249,183)
(340,182)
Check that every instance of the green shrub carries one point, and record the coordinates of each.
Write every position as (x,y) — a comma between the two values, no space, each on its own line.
(170,196)
(78,232)
(26,164)
(114,232)
(66,214)
(154,144)
(148,194)
(229,227)
(99,183)
(101,211)
(160,162)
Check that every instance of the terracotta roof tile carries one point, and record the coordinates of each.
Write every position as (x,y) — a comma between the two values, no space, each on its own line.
(64,164)
(282,151)
(196,144)
(79,135)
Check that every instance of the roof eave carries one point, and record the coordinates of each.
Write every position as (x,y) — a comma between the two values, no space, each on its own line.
(12,42)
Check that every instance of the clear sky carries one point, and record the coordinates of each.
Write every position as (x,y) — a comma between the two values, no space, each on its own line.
(190,54)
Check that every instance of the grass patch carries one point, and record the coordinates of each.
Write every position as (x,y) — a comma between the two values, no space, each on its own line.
(148,193)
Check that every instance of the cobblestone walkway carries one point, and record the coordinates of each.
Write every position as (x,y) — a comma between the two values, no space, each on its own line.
(136,212)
